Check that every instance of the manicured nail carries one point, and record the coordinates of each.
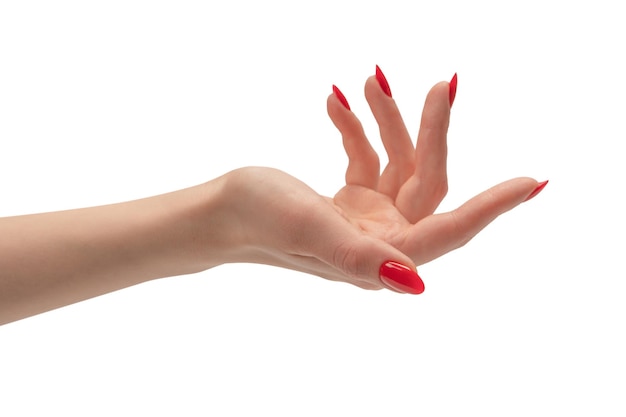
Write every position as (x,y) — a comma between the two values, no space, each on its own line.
(401,278)
(382,81)
(341,97)
(452,89)
(537,190)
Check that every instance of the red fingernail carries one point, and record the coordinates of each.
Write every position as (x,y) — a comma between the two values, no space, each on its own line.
(537,190)
(401,278)
(341,97)
(452,89)
(382,81)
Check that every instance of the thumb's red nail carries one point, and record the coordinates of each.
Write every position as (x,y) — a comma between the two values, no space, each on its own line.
(401,278)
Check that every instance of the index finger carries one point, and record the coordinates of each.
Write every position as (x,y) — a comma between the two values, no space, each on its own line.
(439,234)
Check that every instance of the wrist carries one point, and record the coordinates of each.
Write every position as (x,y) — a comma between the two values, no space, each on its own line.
(206,225)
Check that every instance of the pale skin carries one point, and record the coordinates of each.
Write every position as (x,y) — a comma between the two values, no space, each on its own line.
(260,215)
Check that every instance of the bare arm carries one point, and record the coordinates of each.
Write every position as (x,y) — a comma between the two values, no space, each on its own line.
(53,259)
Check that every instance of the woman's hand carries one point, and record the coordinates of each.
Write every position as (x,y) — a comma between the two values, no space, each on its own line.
(374,218)
(372,234)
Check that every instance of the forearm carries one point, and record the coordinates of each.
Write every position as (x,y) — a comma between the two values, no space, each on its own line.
(53,259)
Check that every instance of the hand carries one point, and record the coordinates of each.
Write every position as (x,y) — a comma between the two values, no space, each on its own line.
(372,234)
(374,218)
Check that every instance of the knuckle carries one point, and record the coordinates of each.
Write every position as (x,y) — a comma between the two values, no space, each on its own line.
(461,233)
(443,189)
(345,257)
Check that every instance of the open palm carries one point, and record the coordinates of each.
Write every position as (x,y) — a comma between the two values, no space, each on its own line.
(386,224)
(397,206)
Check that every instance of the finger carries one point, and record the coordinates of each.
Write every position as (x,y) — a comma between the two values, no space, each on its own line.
(422,193)
(354,256)
(363,164)
(393,132)
(442,233)
(375,263)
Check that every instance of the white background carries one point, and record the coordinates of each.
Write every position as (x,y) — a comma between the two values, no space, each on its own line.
(103,102)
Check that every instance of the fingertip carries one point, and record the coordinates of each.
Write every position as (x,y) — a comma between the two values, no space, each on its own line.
(401,278)
(331,100)
(373,90)
(452,89)
(524,188)
(436,112)
(382,82)
(341,97)
(441,92)
(335,109)
(540,186)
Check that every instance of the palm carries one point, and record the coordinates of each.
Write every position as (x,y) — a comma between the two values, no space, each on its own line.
(375,214)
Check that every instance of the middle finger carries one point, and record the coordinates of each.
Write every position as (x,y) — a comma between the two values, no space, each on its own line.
(393,132)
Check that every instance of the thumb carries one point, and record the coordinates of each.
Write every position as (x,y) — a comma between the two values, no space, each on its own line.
(364,258)
(352,256)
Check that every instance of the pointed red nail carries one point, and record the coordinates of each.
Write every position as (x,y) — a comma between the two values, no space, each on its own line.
(452,89)
(341,97)
(382,81)
(537,190)
(401,278)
